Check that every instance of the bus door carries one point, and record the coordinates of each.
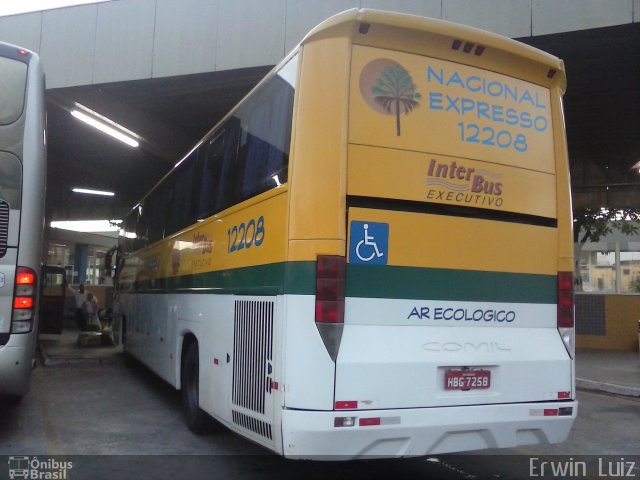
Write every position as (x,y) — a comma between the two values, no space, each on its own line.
(52,299)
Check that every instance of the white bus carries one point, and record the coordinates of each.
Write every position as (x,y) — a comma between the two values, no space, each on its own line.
(22,195)
(371,254)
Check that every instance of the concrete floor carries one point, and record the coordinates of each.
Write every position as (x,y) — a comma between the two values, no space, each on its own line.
(119,422)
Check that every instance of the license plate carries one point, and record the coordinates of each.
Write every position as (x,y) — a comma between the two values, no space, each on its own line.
(467,380)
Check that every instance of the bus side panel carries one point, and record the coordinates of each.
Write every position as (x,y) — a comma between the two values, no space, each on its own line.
(309,371)
(15,359)
(318,205)
(216,351)
(318,165)
(148,330)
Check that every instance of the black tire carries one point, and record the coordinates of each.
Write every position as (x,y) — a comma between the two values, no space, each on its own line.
(197,420)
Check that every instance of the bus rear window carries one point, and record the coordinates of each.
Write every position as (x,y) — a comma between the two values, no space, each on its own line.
(10,180)
(13,77)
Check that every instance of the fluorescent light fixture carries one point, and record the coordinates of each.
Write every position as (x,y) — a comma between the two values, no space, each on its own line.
(88,226)
(106,126)
(93,192)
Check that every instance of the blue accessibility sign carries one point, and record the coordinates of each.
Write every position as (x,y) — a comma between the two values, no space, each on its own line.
(369,243)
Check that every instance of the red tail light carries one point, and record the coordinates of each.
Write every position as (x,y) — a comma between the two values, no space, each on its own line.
(24,300)
(565,300)
(25,277)
(330,285)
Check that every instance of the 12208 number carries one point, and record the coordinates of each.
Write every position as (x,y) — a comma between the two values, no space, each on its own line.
(245,236)
(472,133)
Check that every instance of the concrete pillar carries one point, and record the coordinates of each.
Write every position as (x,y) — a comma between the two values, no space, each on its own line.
(80,261)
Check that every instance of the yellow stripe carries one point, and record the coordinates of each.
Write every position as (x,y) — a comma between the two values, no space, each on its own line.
(438,241)
(256,228)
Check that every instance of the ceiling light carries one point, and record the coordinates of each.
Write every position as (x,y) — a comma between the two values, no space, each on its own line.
(88,226)
(93,192)
(106,126)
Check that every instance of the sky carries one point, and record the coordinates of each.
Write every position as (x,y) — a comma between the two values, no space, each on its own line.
(13,7)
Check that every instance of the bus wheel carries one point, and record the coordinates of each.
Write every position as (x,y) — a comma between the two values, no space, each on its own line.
(197,419)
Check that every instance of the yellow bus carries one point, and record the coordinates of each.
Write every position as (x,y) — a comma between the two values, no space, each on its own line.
(371,254)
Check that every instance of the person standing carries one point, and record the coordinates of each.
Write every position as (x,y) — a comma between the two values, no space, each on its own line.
(80,296)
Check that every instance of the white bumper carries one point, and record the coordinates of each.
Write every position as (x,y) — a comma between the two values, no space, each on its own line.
(417,432)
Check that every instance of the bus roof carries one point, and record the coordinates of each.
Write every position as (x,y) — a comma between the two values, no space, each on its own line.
(380,28)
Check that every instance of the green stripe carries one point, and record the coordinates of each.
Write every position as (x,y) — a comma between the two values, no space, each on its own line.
(272,279)
(298,278)
(442,284)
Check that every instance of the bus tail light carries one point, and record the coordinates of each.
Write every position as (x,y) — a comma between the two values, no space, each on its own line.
(566,310)
(24,300)
(330,289)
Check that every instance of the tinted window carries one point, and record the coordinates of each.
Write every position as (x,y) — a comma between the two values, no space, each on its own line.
(155,217)
(13,78)
(224,144)
(10,179)
(249,154)
(128,231)
(180,188)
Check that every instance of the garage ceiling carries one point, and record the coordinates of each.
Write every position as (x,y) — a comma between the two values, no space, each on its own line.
(602,108)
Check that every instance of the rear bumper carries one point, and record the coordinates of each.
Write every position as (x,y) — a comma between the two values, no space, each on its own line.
(417,432)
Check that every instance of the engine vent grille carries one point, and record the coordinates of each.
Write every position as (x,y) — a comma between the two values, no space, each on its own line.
(253,364)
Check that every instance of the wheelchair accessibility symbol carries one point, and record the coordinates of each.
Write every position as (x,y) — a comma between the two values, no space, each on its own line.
(369,243)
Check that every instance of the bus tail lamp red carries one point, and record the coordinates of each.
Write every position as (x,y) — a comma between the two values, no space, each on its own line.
(565,300)
(330,291)
(24,300)
(330,284)
(566,311)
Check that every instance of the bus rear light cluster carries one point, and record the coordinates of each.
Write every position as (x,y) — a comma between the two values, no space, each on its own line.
(340,422)
(566,310)
(330,283)
(558,412)
(565,300)
(24,300)
(330,291)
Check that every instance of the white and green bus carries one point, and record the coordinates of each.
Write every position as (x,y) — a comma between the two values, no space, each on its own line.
(371,254)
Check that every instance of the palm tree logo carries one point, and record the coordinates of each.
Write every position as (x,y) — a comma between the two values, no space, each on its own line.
(389,89)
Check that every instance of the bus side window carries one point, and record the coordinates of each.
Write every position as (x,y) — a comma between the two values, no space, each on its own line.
(226,192)
(140,239)
(212,162)
(266,136)
(155,217)
(128,232)
(180,189)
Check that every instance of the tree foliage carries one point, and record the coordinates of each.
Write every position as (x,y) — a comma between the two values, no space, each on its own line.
(591,224)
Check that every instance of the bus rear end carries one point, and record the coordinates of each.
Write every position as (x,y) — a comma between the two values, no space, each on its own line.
(22,190)
(457,327)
